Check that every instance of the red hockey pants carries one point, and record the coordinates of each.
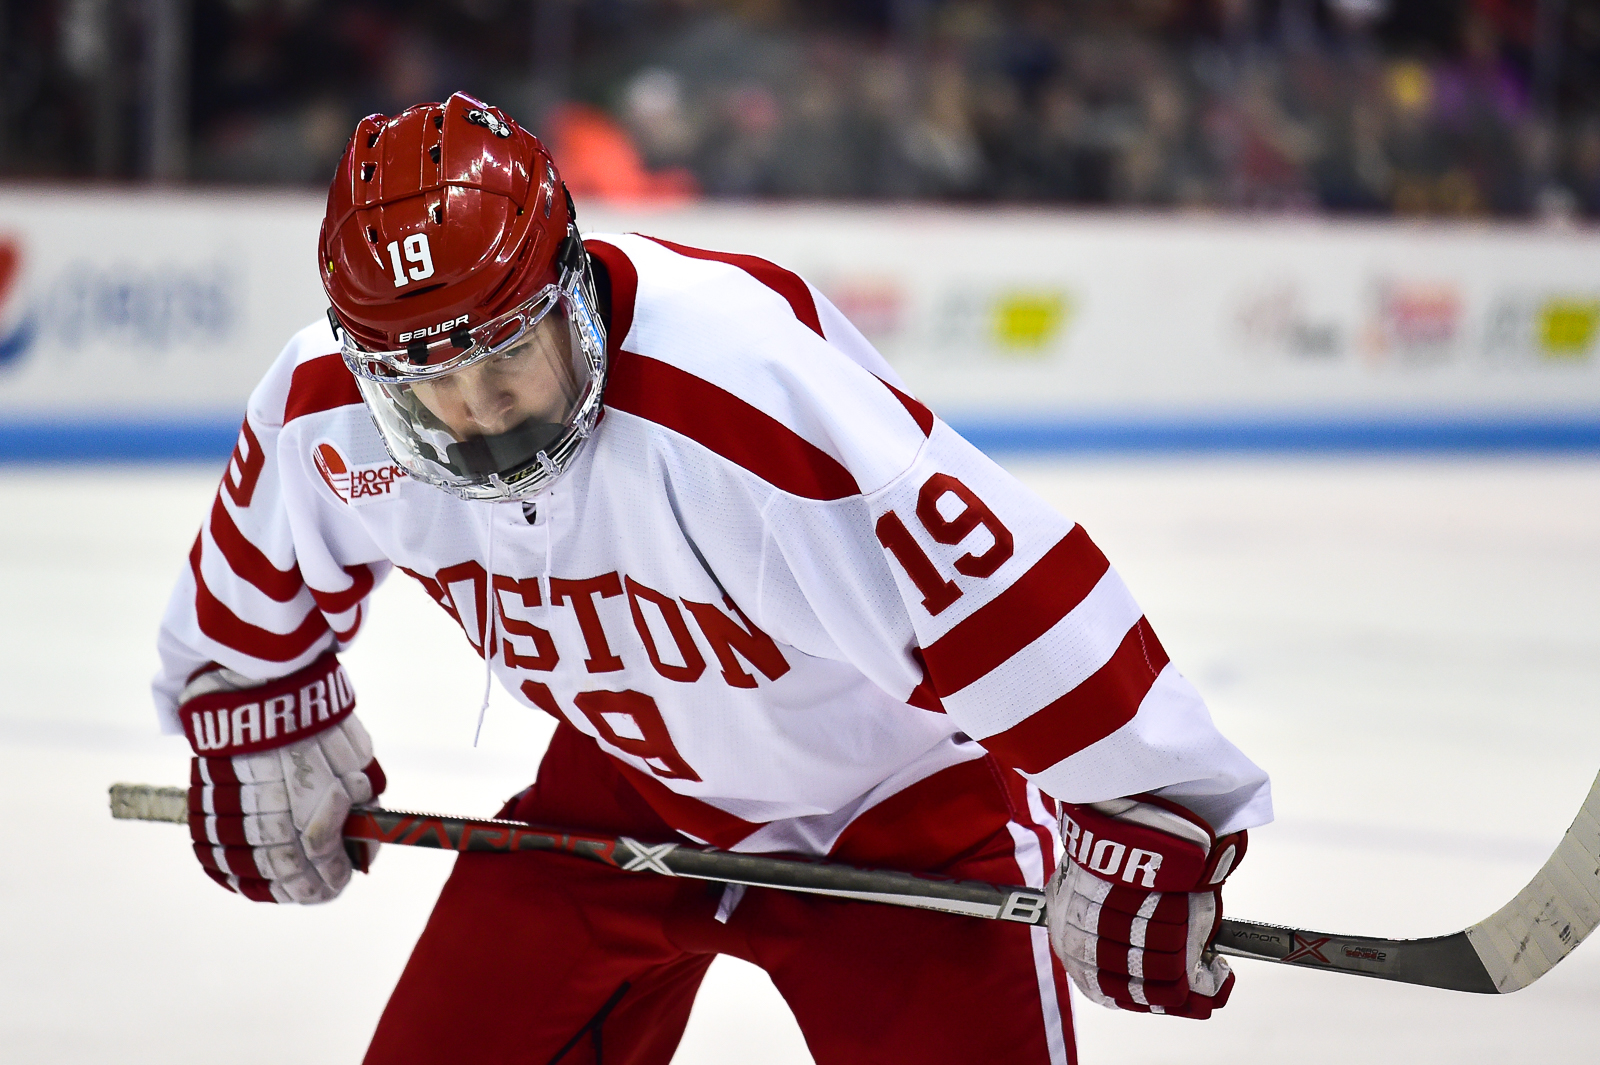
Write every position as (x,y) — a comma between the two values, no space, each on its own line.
(546,959)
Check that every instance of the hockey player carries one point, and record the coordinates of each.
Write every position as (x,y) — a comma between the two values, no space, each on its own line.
(679,503)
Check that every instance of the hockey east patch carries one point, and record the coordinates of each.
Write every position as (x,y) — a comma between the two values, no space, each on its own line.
(355,485)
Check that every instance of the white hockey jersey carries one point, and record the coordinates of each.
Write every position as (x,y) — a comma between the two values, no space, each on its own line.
(773,586)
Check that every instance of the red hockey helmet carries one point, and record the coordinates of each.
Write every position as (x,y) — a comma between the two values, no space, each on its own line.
(452,259)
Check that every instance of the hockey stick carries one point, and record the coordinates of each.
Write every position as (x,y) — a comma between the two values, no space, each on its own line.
(1505,952)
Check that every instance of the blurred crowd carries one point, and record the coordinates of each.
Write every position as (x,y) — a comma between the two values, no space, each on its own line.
(1445,107)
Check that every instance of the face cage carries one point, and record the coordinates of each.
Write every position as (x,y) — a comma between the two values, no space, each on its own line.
(576,292)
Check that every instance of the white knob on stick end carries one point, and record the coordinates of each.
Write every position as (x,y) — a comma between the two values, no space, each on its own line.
(146,802)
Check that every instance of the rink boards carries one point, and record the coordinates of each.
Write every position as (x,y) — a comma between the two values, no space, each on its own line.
(133,325)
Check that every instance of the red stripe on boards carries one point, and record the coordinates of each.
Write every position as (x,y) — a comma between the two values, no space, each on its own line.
(221,624)
(783,282)
(1017,616)
(320,384)
(1088,713)
(727,425)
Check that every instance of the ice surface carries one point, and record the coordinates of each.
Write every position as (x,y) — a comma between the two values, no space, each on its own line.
(1411,647)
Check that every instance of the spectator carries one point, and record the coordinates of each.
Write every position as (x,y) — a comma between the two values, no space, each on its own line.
(1359,105)
(599,161)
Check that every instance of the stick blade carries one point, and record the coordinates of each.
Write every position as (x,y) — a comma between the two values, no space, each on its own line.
(146,802)
(1547,920)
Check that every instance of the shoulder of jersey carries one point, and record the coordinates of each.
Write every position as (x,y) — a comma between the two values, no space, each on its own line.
(309,377)
(731,352)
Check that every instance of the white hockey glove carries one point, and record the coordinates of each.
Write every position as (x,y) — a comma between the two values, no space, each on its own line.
(1136,902)
(278,766)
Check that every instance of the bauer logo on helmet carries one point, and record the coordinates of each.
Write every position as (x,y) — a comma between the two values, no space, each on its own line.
(433,330)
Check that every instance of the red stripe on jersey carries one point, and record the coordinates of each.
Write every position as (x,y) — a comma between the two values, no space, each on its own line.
(624,289)
(920,414)
(320,384)
(727,425)
(346,635)
(1088,713)
(1016,790)
(1017,616)
(221,624)
(539,695)
(935,822)
(700,819)
(923,696)
(249,561)
(784,283)
(361,582)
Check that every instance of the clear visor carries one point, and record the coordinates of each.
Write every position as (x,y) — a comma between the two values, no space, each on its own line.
(500,417)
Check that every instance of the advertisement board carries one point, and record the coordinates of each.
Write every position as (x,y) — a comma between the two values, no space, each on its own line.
(1046,329)
(134,325)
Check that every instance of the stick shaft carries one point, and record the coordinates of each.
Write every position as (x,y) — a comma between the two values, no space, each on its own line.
(1562,905)
(1446,961)
(972,898)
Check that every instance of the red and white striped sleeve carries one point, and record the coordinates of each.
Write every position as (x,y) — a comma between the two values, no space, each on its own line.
(891,542)
(1019,629)
(265,590)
